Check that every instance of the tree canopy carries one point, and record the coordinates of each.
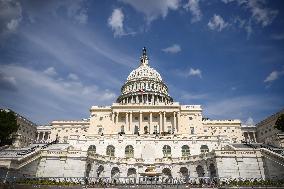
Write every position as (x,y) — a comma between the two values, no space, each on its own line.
(8,125)
(279,124)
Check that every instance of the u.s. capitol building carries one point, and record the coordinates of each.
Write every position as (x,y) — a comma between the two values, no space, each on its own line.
(145,128)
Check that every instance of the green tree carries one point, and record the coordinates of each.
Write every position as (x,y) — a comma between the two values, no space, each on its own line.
(279,124)
(8,125)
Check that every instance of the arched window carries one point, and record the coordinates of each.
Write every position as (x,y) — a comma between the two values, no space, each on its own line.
(110,150)
(185,151)
(204,149)
(92,148)
(145,130)
(167,151)
(129,151)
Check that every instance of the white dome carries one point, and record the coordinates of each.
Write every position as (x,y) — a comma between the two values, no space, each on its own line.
(144,71)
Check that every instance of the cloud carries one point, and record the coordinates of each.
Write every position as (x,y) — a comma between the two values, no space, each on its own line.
(73,76)
(13,24)
(279,36)
(261,15)
(175,48)
(195,72)
(115,21)
(50,71)
(193,7)
(190,96)
(81,17)
(217,23)
(53,94)
(10,15)
(242,106)
(7,82)
(153,9)
(273,76)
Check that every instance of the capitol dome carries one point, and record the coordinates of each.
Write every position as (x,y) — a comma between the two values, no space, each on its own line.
(144,85)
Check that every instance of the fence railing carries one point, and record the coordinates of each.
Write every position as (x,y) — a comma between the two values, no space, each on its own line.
(140,181)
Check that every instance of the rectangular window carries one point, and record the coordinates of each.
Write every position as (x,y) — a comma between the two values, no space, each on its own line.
(169,129)
(136,118)
(190,118)
(168,118)
(101,118)
(145,118)
(192,130)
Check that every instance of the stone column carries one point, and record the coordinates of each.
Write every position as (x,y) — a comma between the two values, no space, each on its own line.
(175,129)
(37,138)
(177,122)
(164,121)
(126,122)
(254,135)
(160,123)
(130,121)
(249,137)
(112,116)
(150,122)
(140,123)
(116,118)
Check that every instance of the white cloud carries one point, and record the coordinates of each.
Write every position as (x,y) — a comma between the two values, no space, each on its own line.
(193,7)
(13,24)
(242,106)
(10,15)
(153,9)
(249,121)
(279,36)
(195,72)
(273,76)
(81,17)
(73,76)
(50,71)
(261,15)
(115,21)
(190,96)
(175,48)
(217,23)
(54,95)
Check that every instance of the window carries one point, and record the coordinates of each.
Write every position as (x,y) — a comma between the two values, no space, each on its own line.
(110,150)
(155,129)
(129,151)
(190,118)
(136,129)
(122,129)
(136,118)
(169,129)
(92,148)
(185,151)
(204,149)
(145,130)
(205,130)
(168,118)
(100,130)
(192,130)
(167,151)
(101,118)
(145,118)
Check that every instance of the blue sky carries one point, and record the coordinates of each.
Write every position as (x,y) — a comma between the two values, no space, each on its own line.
(58,58)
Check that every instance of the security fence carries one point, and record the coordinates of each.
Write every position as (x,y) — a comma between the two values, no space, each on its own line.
(139,182)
